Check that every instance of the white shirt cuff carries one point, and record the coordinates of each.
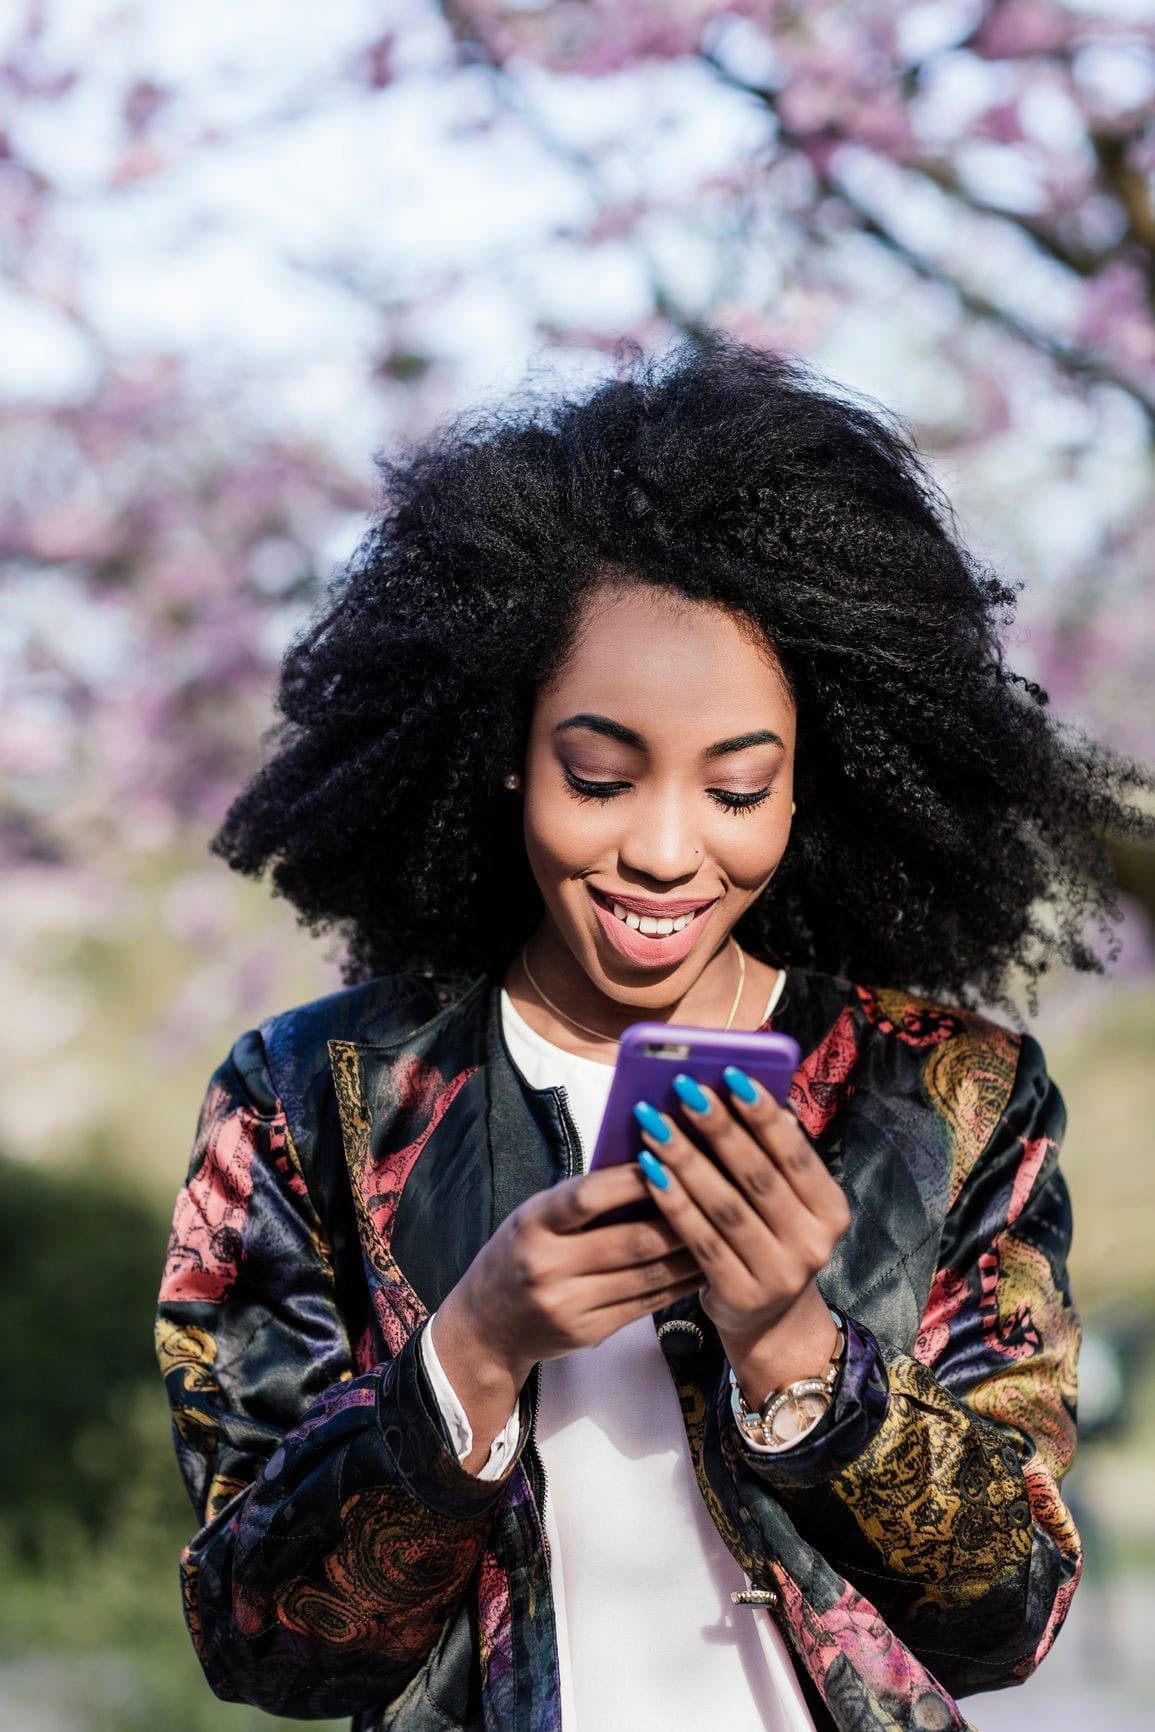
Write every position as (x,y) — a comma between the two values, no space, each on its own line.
(504,1446)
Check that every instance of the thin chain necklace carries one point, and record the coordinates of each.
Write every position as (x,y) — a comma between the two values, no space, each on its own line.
(600,1033)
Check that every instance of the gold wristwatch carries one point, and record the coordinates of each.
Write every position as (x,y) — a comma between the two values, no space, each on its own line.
(787,1415)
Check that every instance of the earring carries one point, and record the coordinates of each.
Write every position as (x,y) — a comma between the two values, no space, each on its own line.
(512,781)
(793,808)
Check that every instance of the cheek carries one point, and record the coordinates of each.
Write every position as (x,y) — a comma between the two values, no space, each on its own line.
(561,835)
(748,848)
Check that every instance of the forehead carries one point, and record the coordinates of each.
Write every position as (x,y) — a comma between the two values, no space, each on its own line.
(641,651)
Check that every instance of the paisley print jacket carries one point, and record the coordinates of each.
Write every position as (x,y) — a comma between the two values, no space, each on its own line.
(353,1156)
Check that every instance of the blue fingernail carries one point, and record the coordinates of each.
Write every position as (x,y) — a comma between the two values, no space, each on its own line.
(688,1092)
(739,1084)
(653,1169)
(651,1120)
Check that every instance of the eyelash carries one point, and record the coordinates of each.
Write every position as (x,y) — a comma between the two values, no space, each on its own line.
(729,802)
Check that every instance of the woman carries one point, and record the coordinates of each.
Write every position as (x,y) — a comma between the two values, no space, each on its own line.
(679,701)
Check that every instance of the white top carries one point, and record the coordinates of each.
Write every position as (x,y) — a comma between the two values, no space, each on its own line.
(641,1579)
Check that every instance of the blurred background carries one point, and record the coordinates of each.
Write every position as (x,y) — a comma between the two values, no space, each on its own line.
(245,246)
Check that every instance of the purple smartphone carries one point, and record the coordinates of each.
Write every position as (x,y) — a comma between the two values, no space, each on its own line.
(650,1056)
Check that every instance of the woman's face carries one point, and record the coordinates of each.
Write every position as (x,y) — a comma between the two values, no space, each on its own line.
(658,778)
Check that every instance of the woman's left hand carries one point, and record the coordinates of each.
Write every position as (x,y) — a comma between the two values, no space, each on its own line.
(761,1224)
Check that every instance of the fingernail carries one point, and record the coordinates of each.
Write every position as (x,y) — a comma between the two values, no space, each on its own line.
(651,1120)
(690,1094)
(653,1169)
(740,1084)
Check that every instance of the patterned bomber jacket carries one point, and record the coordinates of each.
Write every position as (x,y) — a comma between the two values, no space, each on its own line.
(352,1158)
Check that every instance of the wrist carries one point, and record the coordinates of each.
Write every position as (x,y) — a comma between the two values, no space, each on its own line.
(799,1345)
(792,1409)
(473,1361)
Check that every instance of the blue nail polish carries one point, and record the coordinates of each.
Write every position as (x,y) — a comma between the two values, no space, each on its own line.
(651,1120)
(653,1169)
(690,1094)
(739,1084)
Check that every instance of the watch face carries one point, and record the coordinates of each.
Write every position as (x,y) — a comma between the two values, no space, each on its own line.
(798,1414)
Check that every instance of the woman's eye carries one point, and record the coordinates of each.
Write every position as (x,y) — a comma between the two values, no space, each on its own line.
(733,802)
(593,790)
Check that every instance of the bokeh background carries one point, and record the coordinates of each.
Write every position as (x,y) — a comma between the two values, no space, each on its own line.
(242,247)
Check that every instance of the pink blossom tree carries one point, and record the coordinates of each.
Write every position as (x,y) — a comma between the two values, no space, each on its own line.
(230,270)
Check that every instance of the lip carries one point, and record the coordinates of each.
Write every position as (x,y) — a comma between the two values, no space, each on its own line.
(642,949)
(668,908)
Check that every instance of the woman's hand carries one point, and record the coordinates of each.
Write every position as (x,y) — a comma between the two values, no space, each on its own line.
(760,1228)
(548,1282)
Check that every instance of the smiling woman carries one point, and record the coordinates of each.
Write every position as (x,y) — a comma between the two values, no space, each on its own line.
(680,702)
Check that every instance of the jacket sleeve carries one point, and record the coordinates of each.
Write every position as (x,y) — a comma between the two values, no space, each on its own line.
(934,1488)
(338,1529)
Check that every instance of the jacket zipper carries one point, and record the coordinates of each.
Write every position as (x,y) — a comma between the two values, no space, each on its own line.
(537,1477)
(574,1164)
(574,1154)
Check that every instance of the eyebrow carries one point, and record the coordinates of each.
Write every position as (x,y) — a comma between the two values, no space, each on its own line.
(618,731)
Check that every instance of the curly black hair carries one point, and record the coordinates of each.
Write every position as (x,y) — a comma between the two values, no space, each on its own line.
(949,831)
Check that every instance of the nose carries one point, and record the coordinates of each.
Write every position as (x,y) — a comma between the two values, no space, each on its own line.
(663,839)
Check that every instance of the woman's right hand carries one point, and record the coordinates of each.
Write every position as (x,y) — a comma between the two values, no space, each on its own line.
(548,1282)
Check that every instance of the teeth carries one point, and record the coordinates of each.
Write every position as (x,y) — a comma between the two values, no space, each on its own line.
(647,923)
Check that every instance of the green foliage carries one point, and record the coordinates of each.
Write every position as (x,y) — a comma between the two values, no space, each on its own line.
(93,1515)
(94,1630)
(79,1270)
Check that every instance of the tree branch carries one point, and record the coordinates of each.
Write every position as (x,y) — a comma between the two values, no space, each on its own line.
(1068,357)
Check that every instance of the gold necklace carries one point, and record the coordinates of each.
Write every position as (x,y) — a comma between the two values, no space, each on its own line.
(600,1033)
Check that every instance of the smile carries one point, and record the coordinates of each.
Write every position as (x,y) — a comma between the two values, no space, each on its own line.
(652,940)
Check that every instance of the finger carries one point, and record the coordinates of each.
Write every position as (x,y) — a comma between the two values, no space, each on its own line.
(622,1245)
(793,1153)
(729,1242)
(772,1130)
(748,1229)
(776,1165)
(613,1317)
(573,1204)
(743,1156)
(623,1286)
